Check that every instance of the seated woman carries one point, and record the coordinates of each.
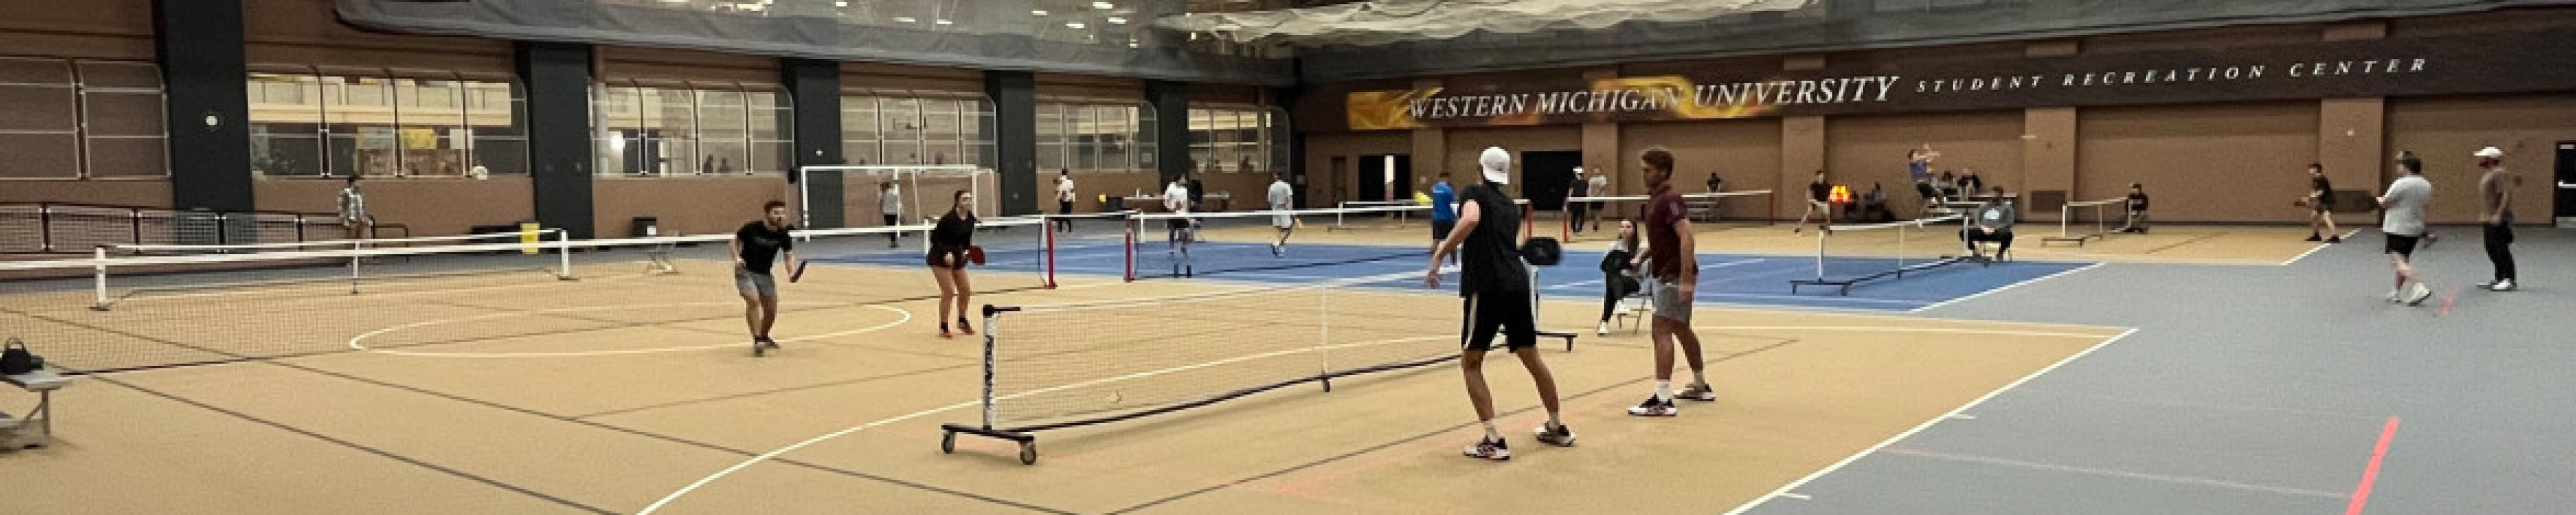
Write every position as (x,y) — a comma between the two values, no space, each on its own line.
(1619,278)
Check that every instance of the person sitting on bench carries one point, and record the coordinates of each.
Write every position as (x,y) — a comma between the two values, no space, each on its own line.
(1873,205)
(1993,222)
(2137,208)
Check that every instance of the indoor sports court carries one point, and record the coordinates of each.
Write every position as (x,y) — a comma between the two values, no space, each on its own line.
(1244,256)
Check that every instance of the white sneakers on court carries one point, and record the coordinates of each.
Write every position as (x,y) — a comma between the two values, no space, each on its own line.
(2504,285)
(2413,295)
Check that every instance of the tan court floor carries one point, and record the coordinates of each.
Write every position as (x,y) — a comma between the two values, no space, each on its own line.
(623,391)
(2224,245)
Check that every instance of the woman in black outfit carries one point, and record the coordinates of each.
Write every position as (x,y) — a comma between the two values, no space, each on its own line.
(947,259)
(1617,276)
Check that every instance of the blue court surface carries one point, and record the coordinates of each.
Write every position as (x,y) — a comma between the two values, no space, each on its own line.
(1724,279)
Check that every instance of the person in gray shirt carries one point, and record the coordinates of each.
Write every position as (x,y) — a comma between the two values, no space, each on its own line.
(1990,222)
(2495,195)
(890,203)
(2403,222)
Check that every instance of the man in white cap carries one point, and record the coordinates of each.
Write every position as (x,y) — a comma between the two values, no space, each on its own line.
(1580,188)
(2495,194)
(2404,224)
(1497,286)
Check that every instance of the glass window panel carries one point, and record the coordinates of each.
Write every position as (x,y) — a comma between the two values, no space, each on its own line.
(432,137)
(903,131)
(620,125)
(941,135)
(724,133)
(495,120)
(859,125)
(39,120)
(667,143)
(358,119)
(772,139)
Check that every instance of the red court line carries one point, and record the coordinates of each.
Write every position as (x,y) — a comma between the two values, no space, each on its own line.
(2361,492)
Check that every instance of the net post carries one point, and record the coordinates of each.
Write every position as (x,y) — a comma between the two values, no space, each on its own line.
(99,278)
(991,317)
(1820,253)
(2065,212)
(1047,239)
(135,218)
(45,227)
(563,255)
(1130,249)
(354,246)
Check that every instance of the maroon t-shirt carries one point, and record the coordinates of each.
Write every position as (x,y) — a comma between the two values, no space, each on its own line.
(1664,212)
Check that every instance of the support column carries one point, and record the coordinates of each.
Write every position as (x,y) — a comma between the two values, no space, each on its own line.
(558,80)
(2048,150)
(1015,110)
(1601,149)
(2352,132)
(200,46)
(1802,147)
(814,95)
(1431,151)
(1171,101)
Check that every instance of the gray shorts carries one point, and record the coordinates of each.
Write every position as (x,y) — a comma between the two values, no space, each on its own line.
(750,283)
(1668,300)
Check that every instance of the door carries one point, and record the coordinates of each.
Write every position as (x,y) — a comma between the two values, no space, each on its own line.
(1372,179)
(1385,177)
(2566,209)
(1547,176)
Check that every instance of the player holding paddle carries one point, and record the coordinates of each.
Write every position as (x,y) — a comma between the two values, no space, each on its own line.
(952,246)
(2319,201)
(755,246)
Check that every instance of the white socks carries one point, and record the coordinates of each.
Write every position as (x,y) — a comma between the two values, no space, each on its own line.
(1698,379)
(1490,433)
(1663,389)
(1553,422)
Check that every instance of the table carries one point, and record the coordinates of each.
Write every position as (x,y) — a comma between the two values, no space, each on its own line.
(37,429)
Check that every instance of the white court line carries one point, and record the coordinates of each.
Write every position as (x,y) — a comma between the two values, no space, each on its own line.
(358,342)
(1927,424)
(2005,287)
(1797,496)
(774,454)
(2320,246)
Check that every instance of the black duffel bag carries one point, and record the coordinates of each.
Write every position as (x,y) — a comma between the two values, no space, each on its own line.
(14,359)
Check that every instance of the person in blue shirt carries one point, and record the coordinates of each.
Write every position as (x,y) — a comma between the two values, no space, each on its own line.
(1444,208)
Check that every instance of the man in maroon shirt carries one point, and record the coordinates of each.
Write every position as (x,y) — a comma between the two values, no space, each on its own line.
(1672,278)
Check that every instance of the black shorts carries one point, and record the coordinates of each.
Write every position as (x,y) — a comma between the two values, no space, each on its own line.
(956,261)
(1440,229)
(2402,245)
(1514,315)
(1064,207)
(2323,205)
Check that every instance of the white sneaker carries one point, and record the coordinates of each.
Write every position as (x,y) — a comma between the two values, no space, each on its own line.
(1494,450)
(2504,285)
(1558,436)
(2394,294)
(1604,331)
(1697,392)
(2421,292)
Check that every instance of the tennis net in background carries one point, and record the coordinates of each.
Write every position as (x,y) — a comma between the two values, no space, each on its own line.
(1602,214)
(1060,366)
(259,302)
(2083,221)
(1242,241)
(1849,255)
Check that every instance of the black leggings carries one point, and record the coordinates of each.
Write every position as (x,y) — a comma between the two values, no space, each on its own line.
(2500,250)
(1618,286)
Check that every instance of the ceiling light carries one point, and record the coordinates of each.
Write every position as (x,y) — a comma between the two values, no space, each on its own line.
(1103,5)
(1038,12)
(945,22)
(1131,44)
(1113,20)
(1074,25)
(906,19)
(839,3)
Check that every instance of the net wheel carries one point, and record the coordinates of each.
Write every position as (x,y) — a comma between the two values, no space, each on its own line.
(948,442)
(1028,453)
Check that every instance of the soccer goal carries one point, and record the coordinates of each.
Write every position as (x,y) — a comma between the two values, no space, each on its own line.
(921,190)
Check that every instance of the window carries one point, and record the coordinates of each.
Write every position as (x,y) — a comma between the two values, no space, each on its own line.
(1236,139)
(122,134)
(902,120)
(384,123)
(1085,136)
(667,129)
(859,138)
(1051,137)
(901,128)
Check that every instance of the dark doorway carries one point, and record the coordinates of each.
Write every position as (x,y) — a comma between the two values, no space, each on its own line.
(2566,209)
(1386,177)
(1546,177)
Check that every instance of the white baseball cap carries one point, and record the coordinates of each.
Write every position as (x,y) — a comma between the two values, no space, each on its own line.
(2490,152)
(1498,165)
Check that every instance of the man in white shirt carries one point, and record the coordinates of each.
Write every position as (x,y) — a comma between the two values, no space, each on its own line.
(1176,199)
(1281,197)
(890,204)
(1064,199)
(353,210)
(1600,188)
(2404,224)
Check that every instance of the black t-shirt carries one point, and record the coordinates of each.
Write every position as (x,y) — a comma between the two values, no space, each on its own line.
(1490,258)
(953,232)
(1820,190)
(761,244)
(2324,189)
(2138,201)
(1198,194)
